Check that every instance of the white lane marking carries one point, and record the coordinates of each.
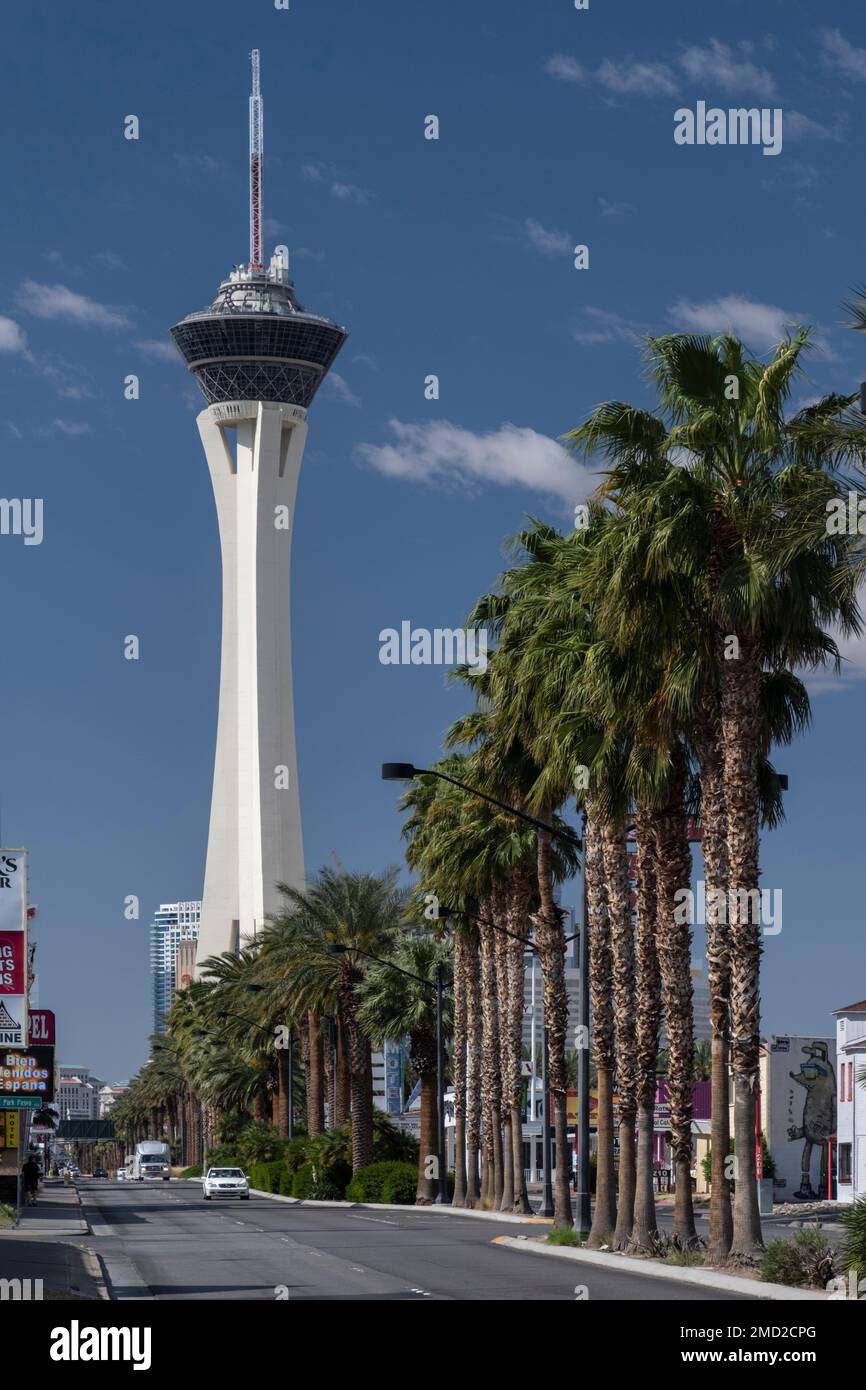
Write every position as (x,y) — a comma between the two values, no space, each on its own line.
(358,1269)
(380,1220)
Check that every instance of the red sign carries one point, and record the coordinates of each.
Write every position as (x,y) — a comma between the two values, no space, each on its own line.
(40,1026)
(11,962)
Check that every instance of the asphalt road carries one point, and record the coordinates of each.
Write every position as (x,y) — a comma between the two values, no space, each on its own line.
(161,1240)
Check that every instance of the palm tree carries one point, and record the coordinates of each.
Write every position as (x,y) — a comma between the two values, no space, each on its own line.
(398,998)
(734,498)
(321,943)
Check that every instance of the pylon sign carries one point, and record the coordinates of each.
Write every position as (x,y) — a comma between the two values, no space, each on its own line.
(13,947)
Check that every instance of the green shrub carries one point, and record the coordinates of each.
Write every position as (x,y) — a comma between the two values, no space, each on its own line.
(384,1182)
(259,1142)
(311,1184)
(296,1153)
(194,1172)
(854,1245)
(563,1235)
(401,1184)
(804,1261)
(266,1177)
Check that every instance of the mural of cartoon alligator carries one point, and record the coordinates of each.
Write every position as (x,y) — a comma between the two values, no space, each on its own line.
(819,1115)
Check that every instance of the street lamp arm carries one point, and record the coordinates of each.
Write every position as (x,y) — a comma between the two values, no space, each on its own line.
(503,806)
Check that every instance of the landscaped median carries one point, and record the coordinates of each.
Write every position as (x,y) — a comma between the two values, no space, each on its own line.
(702,1277)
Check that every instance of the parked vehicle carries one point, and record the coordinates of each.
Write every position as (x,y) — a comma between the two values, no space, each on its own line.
(120,1174)
(152,1159)
(226,1182)
(100,1173)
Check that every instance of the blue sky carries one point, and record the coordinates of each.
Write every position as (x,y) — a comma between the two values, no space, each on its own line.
(451,257)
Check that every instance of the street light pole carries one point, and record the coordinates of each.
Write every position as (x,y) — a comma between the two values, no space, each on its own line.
(583,1214)
(546,1208)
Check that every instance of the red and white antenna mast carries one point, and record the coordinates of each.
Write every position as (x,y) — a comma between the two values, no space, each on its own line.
(256,156)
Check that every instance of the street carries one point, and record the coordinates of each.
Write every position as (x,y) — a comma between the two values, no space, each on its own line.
(161,1240)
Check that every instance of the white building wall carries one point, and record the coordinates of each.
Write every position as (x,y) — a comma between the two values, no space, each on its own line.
(851,1052)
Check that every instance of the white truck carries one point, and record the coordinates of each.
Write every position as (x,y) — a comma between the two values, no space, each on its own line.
(152,1159)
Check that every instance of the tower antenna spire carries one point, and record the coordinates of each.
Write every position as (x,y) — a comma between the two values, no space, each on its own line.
(256,157)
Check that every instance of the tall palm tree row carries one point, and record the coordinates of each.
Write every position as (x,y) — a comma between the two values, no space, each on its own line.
(641,668)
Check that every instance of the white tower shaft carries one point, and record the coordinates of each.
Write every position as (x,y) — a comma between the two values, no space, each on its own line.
(255,822)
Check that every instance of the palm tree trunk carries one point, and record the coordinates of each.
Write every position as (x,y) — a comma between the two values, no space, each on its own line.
(674,873)
(328,1051)
(315,1087)
(518,916)
(740,692)
(428,1185)
(473,1071)
(622,946)
(601,992)
(551,950)
(648,1008)
(490,1078)
(343,1098)
(458,1067)
(506,1053)
(285,1099)
(359,1063)
(715,857)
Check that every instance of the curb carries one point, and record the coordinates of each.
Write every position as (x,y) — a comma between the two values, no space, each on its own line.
(497,1216)
(702,1278)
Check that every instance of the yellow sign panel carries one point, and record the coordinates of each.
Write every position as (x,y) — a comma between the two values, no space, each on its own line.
(9,1129)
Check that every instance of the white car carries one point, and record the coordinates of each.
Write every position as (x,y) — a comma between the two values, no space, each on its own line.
(226,1182)
(120,1174)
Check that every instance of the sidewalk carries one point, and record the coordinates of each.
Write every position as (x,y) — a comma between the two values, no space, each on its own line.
(43,1246)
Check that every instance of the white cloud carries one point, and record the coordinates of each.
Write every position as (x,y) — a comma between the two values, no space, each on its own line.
(838,53)
(342,389)
(110,259)
(157,349)
(548,242)
(313,173)
(58,302)
(444,454)
(207,162)
(351,193)
(762,325)
(615,209)
(12,336)
(719,65)
(601,326)
(715,63)
(630,78)
(799,127)
(71,427)
(853,653)
(306,253)
(565,68)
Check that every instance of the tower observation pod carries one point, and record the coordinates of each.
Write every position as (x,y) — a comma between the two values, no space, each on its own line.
(259,359)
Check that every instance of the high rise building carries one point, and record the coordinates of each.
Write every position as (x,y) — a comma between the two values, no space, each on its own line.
(172,924)
(259,358)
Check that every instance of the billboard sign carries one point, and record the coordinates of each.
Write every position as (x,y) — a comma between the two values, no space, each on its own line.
(13,936)
(27,1072)
(11,962)
(40,1026)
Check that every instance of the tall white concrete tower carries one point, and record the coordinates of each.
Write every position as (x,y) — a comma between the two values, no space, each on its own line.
(259,359)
